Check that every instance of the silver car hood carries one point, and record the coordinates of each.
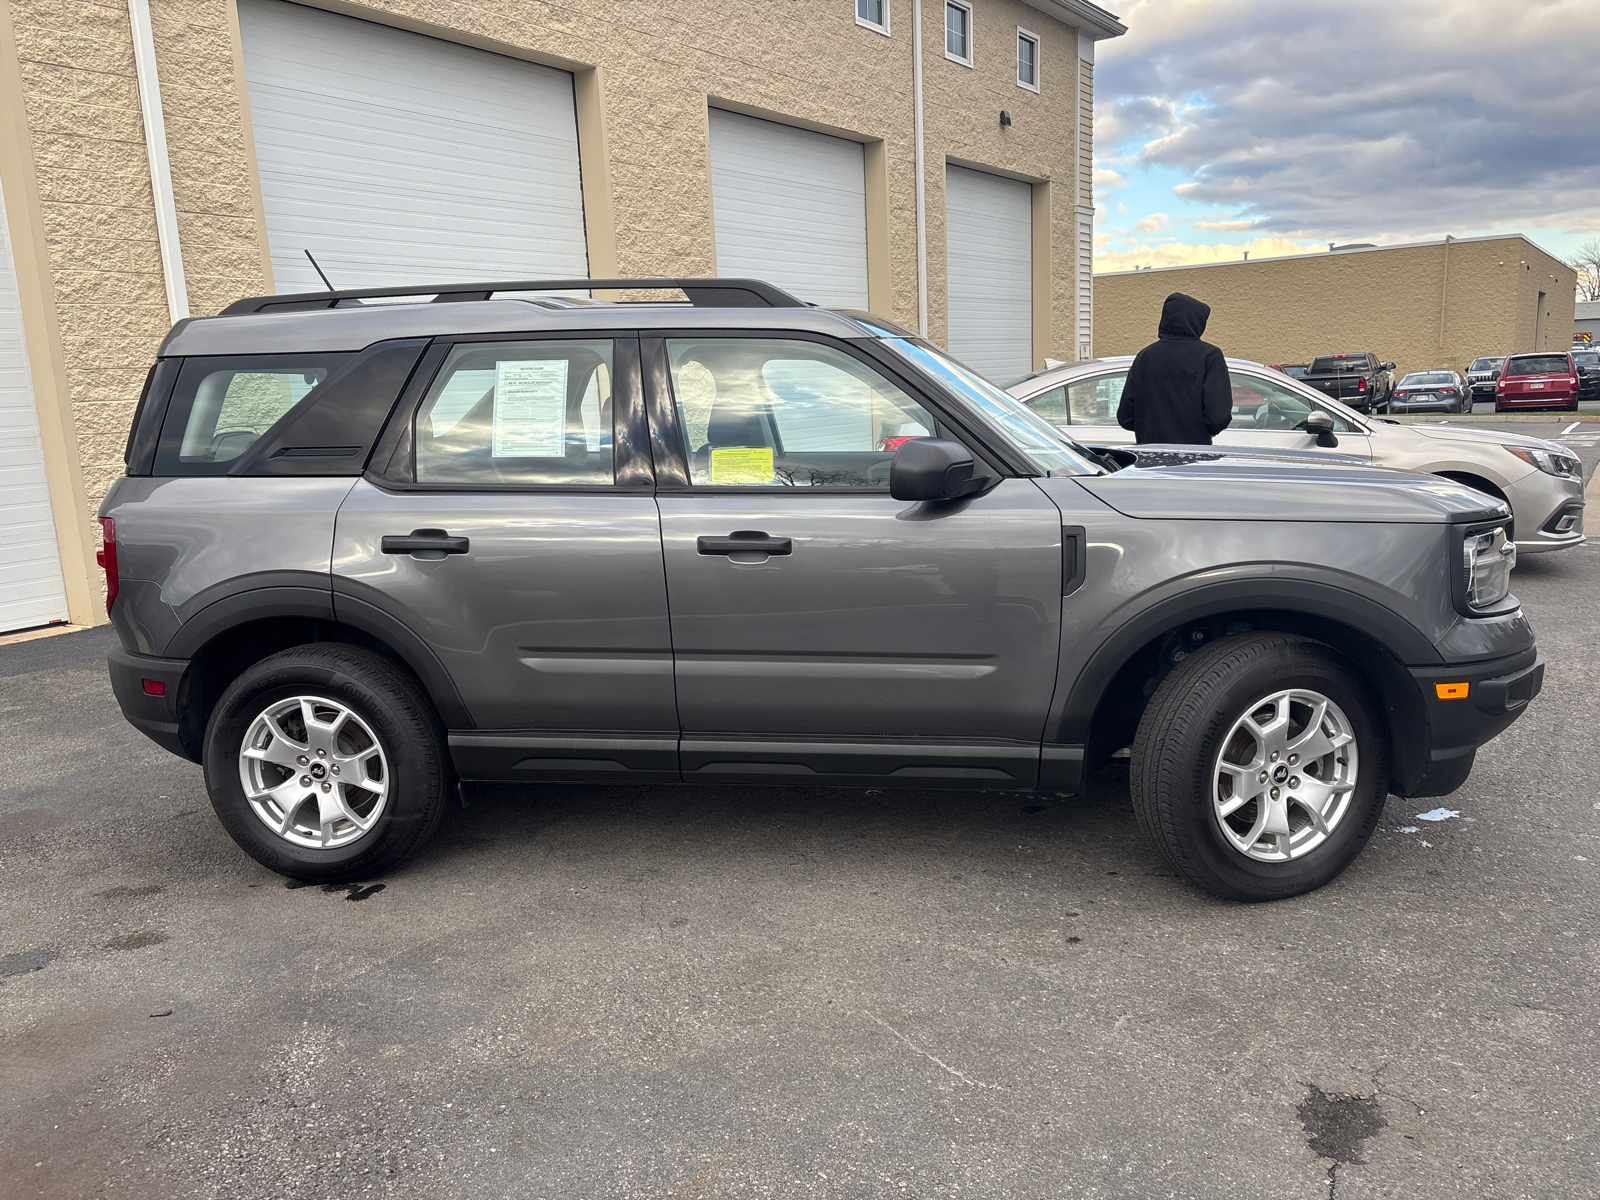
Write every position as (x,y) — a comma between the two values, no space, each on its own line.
(1481,437)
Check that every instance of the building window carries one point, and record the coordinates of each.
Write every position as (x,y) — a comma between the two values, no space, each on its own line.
(958,32)
(1028,60)
(874,14)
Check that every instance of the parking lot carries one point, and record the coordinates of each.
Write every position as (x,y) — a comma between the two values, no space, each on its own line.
(675,992)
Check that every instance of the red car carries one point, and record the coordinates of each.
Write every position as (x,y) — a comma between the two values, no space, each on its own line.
(1546,380)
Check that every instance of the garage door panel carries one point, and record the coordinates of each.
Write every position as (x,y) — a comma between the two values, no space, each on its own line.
(395,157)
(989,249)
(790,207)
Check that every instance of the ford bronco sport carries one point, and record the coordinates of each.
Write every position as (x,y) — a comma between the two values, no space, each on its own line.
(364,551)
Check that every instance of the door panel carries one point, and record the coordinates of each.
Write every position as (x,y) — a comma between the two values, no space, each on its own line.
(888,627)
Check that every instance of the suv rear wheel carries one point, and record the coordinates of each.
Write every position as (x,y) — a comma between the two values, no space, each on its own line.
(1258,770)
(327,763)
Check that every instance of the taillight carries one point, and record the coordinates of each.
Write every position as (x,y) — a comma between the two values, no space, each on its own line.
(889,445)
(1361,383)
(107,558)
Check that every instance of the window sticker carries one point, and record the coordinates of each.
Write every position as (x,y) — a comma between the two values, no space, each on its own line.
(530,408)
(742,464)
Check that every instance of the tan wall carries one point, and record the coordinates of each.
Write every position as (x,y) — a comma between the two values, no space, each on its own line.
(1406,304)
(645,74)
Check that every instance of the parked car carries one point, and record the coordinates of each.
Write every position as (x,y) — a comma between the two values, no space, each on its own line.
(1431,391)
(1482,375)
(1360,380)
(1292,370)
(1548,379)
(1588,363)
(362,552)
(1541,480)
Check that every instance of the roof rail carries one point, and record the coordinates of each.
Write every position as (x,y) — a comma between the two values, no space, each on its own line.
(703,293)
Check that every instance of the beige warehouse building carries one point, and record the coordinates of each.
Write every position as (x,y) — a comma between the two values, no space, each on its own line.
(1433,304)
(160,158)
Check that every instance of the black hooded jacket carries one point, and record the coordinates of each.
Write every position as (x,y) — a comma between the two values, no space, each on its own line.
(1178,388)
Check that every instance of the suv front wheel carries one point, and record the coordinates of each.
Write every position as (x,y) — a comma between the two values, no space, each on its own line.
(327,763)
(1259,771)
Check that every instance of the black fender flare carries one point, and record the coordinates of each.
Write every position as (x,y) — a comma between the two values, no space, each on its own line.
(1074,709)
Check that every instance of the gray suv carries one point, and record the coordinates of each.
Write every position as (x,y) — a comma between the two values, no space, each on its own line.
(366,550)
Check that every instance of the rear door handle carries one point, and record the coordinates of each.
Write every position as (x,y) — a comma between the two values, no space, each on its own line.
(747,541)
(424,543)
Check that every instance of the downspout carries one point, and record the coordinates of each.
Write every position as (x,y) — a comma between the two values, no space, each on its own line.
(155,144)
(922,187)
(1444,291)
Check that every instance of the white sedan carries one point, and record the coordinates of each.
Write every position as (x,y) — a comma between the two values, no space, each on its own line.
(1542,481)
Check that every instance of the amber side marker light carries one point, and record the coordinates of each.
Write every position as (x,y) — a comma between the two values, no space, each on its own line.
(1451,691)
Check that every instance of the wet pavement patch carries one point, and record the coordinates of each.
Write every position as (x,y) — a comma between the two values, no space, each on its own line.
(120,893)
(1337,1126)
(353,891)
(137,941)
(25,962)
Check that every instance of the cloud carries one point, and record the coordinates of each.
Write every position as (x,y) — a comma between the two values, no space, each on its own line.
(1154,223)
(1361,119)
(1104,178)
(1184,254)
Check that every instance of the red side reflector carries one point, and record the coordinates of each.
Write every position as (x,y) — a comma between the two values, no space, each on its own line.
(155,687)
(107,558)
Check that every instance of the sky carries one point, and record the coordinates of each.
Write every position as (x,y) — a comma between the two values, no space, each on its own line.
(1278,126)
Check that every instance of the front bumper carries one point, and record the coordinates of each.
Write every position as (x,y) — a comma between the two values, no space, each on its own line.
(1538,501)
(1485,698)
(157,717)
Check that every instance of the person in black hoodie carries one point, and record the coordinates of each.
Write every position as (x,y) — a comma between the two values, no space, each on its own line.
(1178,388)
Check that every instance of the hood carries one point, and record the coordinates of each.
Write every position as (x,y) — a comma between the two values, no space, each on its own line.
(1176,483)
(1483,437)
(1183,317)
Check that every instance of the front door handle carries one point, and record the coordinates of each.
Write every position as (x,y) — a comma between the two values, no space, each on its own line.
(745,541)
(424,543)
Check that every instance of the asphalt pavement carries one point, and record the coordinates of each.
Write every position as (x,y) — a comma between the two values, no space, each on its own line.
(675,992)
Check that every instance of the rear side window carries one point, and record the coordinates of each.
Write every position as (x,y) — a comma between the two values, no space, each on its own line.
(1538,364)
(521,414)
(221,406)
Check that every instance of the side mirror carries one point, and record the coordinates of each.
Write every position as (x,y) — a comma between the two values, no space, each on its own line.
(931,468)
(1321,425)
(1388,366)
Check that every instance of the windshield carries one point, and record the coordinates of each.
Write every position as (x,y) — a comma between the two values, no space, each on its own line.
(1425,378)
(1590,359)
(1485,364)
(1042,441)
(1538,364)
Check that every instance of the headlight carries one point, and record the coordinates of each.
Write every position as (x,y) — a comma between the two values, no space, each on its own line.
(1551,462)
(1486,562)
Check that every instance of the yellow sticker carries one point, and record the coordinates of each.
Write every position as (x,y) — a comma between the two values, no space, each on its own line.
(742,464)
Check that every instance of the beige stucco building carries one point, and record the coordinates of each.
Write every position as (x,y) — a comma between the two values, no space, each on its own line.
(1434,304)
(163,157)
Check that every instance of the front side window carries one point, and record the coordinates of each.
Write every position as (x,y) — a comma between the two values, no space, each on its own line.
(221,406)
(760,412)
(1027,60)
(874,14)
(958,31)
(1260,404)
(523,414)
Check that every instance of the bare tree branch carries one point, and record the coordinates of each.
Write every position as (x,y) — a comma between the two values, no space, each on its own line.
(1586,262)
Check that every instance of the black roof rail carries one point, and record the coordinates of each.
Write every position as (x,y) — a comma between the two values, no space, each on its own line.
(703,293)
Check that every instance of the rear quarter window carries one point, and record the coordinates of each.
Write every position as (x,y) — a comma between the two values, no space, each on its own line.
(220,407)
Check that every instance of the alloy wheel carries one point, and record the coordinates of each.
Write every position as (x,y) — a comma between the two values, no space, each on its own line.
(314,772)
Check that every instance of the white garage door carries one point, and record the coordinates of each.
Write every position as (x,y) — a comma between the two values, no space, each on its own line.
(31,591)
(396,158)
(790,208)
(989,248)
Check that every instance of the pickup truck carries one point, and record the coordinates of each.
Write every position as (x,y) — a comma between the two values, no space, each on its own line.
(1359,380)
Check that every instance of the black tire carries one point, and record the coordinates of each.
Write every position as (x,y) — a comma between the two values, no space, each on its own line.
(1176,752)
(419,780)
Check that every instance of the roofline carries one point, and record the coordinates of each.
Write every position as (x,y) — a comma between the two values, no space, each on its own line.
(1089,19)
(1252,262)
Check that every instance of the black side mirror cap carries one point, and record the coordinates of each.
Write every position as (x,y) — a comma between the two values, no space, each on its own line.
(1321,424)
(931,468)
(1388,366)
